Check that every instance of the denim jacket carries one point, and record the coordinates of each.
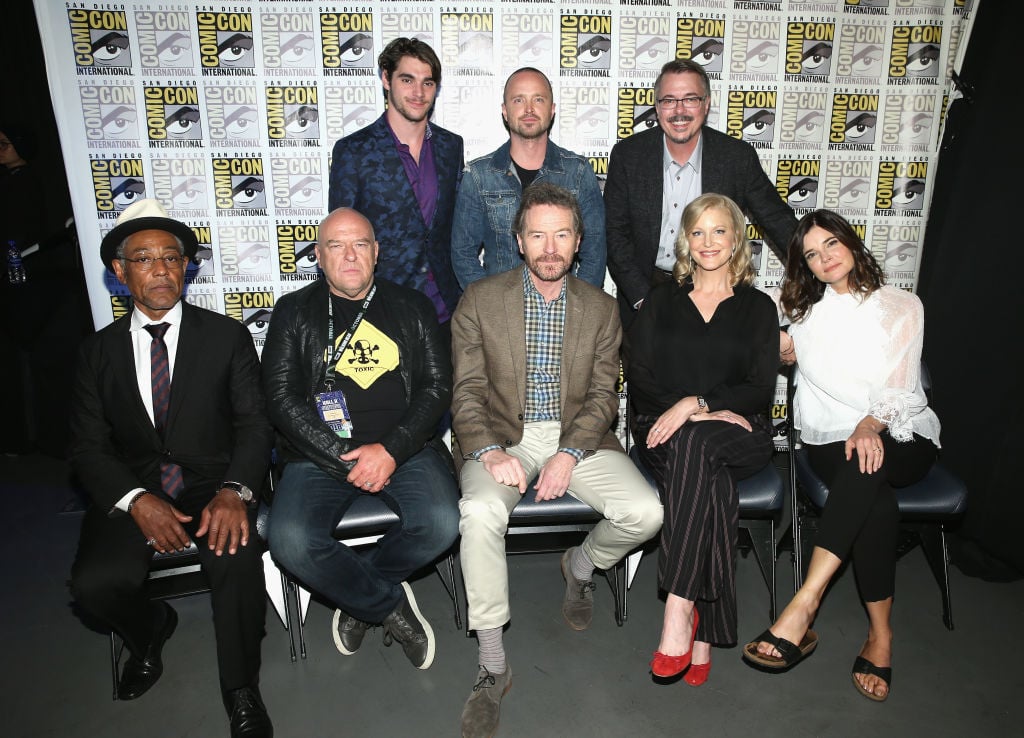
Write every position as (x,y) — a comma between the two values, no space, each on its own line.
(487,203)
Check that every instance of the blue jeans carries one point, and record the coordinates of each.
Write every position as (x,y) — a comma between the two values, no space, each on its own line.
(365,583)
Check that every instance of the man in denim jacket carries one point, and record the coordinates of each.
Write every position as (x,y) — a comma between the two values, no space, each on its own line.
(493,185)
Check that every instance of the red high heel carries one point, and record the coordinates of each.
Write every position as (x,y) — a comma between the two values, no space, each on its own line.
(668,666)
(697,674)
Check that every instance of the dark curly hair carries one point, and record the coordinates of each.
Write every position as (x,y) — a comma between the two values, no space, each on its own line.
(801,289)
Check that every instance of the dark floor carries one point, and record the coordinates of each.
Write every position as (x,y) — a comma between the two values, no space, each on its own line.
(56,680)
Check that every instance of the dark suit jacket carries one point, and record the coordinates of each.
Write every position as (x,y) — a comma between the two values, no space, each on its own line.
(367,174)
(217,427)
(489,352)
(632,200)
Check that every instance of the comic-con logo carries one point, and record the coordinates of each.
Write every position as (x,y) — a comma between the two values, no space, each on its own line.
(467,43)
(635,111)
(703,41)
(847,187)
(797,182)
(809,51)
(289,42)
(860,53)
(296,251)
(754,49)
(232,114)
(120,305)
(408,22)
(116,184)
(346,44)
(297,185)
(238,186)
(901,187)
(251,309)
(896,247)
(180,184)
(756,240)
(584,110)
(853,122)
(803,118)
(226,43)
(527,40)
(644,42)
(164,40)
(348,108)
(908,122)
(202,269)
(293,115)
(750,116)
(109,114)
(584,45)
(172,116)
(914,54)
(245,253)
(100,41)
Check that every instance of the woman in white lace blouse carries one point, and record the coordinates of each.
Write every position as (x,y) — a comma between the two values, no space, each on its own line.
(867,427)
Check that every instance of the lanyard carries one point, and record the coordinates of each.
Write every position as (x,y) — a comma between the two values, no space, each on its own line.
(330,373)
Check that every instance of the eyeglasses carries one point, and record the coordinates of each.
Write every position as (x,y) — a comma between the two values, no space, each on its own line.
(146,263)
(4,144)
(691,102)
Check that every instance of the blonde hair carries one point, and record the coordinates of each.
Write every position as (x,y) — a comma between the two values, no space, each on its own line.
(741,267)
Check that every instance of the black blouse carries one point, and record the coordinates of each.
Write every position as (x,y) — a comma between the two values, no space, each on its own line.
(732,360)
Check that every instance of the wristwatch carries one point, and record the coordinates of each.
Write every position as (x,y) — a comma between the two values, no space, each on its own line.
(244,493)
(702,404)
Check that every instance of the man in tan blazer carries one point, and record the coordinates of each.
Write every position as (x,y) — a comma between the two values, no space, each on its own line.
(536,360)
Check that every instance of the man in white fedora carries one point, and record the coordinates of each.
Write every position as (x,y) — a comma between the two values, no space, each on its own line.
(171,441)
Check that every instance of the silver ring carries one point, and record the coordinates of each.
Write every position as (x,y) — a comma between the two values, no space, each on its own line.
(368,485)
(151,542)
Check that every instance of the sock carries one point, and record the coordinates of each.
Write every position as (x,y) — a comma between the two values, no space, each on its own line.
(492,650)
(581,565)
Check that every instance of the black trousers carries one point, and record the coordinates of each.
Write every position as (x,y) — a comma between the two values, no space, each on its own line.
(108,581)
(696,472)
(861,518)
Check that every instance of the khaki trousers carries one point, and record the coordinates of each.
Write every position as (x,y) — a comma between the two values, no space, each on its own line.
(607,481)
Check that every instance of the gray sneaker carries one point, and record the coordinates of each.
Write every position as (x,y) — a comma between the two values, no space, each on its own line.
(578,605)
(348,632)
(408,626)
(480,714)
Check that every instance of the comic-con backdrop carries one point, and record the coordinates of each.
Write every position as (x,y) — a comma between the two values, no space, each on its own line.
(227,112)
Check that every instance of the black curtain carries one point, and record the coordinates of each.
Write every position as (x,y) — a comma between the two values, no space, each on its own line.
(973,298)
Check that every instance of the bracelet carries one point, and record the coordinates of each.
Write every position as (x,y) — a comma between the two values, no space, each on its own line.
(135,499)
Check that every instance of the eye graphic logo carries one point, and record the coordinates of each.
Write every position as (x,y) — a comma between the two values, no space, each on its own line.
(164,40)
(914,54)
(585,44)
(288,41)
(854,120)
(346,44)
(901,187)
(702,40)
(245,253)
(527,40)
(467,42)
(644,42)
(296,251)
(251,309)
(797,182)
(238,186)
(809,51)
(226,45)
(292,114)
(109,114)
(117,183)
(635,111)
(100,41)
(751,116)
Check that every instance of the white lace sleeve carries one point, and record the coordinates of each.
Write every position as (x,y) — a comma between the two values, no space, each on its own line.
(901,397)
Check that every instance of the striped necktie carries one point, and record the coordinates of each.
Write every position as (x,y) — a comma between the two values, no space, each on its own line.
(160,376)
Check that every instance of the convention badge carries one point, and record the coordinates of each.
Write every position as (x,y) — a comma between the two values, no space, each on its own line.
(334,411)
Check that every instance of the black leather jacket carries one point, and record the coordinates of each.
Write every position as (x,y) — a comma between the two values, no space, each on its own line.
(293,368)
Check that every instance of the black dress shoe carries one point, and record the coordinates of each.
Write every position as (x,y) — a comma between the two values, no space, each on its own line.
(141,673)
(248,714)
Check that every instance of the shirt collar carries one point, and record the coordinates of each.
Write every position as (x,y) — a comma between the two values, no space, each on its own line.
(695,158)
(172,317)
(529,288)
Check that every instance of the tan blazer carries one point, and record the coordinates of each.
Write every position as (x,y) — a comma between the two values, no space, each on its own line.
(489,354)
